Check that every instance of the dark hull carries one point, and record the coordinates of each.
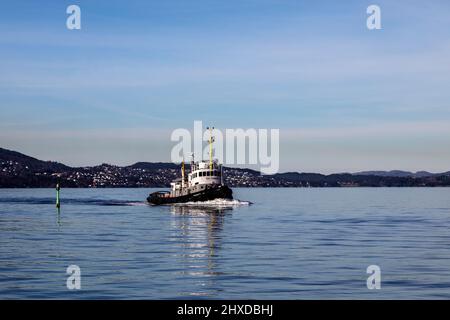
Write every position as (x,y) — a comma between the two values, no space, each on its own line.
(210,193)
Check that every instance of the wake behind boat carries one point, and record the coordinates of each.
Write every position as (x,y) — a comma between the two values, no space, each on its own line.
(204,182)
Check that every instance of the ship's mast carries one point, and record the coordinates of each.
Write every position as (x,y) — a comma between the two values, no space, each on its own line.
(192,162)
(211,140)
(183,178)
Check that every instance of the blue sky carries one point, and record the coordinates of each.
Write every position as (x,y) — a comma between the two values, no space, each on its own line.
(344,98)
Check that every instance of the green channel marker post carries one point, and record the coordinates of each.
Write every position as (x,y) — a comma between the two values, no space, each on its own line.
(58,204)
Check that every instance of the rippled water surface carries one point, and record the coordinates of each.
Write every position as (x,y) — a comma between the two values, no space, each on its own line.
(273,244)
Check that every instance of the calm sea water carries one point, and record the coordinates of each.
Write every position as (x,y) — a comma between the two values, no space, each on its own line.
(288,244)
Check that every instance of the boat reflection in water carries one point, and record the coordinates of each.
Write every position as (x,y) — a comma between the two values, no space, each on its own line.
(198,237)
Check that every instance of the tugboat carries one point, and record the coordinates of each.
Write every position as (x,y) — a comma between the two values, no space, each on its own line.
(204,182)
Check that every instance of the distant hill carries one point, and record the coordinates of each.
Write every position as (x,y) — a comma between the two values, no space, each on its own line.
(155,165)
(392,173)
(21,171)
(32,163)
(400,173)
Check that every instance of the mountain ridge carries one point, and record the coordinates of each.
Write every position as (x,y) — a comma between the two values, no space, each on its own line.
(21,171)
